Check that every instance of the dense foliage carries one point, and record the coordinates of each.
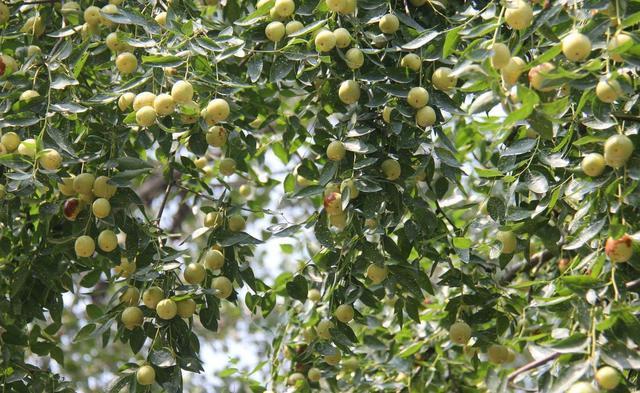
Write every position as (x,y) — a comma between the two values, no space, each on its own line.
(467,167)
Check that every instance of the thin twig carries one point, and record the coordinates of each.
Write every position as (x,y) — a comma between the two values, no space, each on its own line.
(532,365)
(164,201)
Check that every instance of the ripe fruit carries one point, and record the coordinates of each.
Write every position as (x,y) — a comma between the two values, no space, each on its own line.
(576,46)
(186,308)
(508,240)
(335,5)
(617,150)
(325,41)
(214,259)
(143,99)
(391,169)
(84,246)
(418,97)
(497,354)
(593,164)
(27,95)
(163,104)
(519,15)
(349,92)
(216,136)
(460,333)
(293,27)
(166,309)
(426,117)
(333,203)
(501,55)
(512,71)
(619,250)
(236,223)
(412,61)
(125,101)
(10,141)
(66,187)
(536,77)
(101,208)
(274,31)
(102,188)
(50,159)
(107,240)
(227,166)
(161,18)
(182,92)
(389,24)
(72,208)
(344,313)
(213,219)
(132,317)
(284,8)
(152,296)
(323,329)
(608,90)
(333,359)
(355,58)
(377,273)
(443,80)
(582,387)
(608,377)
(620,39)
(223,287)
(336,151)
(146,116)
(563,265)
(146,375)
(343,37)
(217,110)
(126,63)
(314,295)
(314,374)
(27,148)
(130,296)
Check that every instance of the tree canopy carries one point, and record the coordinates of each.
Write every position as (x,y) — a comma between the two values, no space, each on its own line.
(458,181)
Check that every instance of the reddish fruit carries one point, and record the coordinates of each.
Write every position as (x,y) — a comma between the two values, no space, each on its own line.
(619,250)
(333,203)
(71,209)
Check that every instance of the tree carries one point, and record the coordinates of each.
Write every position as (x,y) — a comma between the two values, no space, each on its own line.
(476,228)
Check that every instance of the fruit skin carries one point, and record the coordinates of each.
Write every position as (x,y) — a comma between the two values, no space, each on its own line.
(582,387)
(50,159)
(101,208)
(608,91)
(389,24)
(27,95)
(460,333)
(442,79)
(593,164)
(338,221)
(143,99)
(512,71)
(386,114)
(314,295)
(295,378)
(344,313)
(411,61)
(508,240)
(314,374)
(125,101)
(391,169)
(351,185)
(72,207)
(186,308)
(536,79)
(182,92)
(130,296)
(167,309)
(333,204)
(10,141)
(218,110)
(501,55)
(236,223)
(620,39)
(576,46)
(333,359)
(194,273)
(619,250)
(336,151)
(214,259)
(132,317)
(355,58)
(146,116)
(335,5)
(216,136)
(107,240)
(322,329)
(146,375)
(163,104)
(418,97)
(161,18)
(617,150)
(4,13)
(497,354)
(293,27)
(608,377)
(152,296)
(126,63)
(213,219)
(425,117)
(227,166)
(102,188)
(66,187)
(343,37)
(519,16)
(377,273)
(275,31)
(27,148)
(84,246)
(223,286)
(325,41)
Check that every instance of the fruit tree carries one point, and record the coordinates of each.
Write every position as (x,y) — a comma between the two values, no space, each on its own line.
(457,182)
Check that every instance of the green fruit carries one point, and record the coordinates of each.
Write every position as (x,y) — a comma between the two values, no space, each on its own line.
(344,313)
(460,333)
(608,377)
(166,309)
(132,317)
(223,287)
(146,375)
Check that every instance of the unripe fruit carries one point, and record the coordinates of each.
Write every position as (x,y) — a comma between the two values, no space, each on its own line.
(125,101)
(336,151)
(163,104)
(412,61)
(576,46)
(343,37)
(167,309)
(351,185)
(236,223)
(593,164)
(391,169)
(182,92)
(335,5)
(608,90)
(348,7)
(130,296)
(102,188)
(66,187)
(10,141)
(582,387)
(608,377)
(497,354)
(617,150)
(214,259)
(201,162)
(501,55)
(377,273)
(101,207)
(389,24)
(619,250)
(333,203)
(344,313)
(69,6)
(186,308)
(218,110)
(245,190)
(355,58)
(152,296)
(84,246)
(295,378)
(426,117)
(418,97)
(349,92)
(443,80)
(512,71)
(314,374)
(227,166)
(132,317)
(34,25)
(161,18)
(536,77)
(107,240)
(72,208)
(508,240)
(325,41)
(113,42)
(146,116)
(275,31)
(519,15)
(126,63)
(333,359)
(216,136)
(4,13)
(213,219)
(460,333)
(386,114)
(27,148)
(86,198)
(223,287)
(338,221)
(323,329)
(284,8)
(293,27)
(50,159)
(27,95)
(314,295)
(83,183)
(620,39)
(146,375)
(108,9)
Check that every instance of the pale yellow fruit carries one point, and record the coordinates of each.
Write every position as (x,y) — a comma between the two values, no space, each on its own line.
(391,169)
(355,58)
(213,219)
(101,207)
(163,104)
(216,136)
(314,374)
(27,148)
(186,308)
(333,359)
(130,296)
(418,97)
(152,296)
(386,114)
(143,99)
(107,240)
(497,354)
(293,27)
(146,375)
(593,164)
(377,273)
(617,150)
(323,329)
(343,37)
(412,61)
(84,246)
(338,221)
(227,166)
(512,71)
(501,55)
(518,15)
(125,101)
(182,92)
(576,46)
(69,7)
(83,183)
(161,18)
(108,9)
(425,117)
(275,31)
(443,80)
(608,377)
(325,41)
(314,295)
(132,317)
(508,240)
(582,387)
(34,25)
(295,378)
(126,63)
(245,190)
(66,187)
(351,185)
(50,159)
(389,24)
(125,268)
(146,116)
(10,141)
(223,287)
(102,188)
(201,162)
(214,259)
(460,333)
(349,92)
(608,91)
(335,5)
(336,151)
(344,313)
(620,39)
(537,77)
(4,13)
(348,7)
(284,8)
(236,223)
(166,309)
(218,110)
(27,95)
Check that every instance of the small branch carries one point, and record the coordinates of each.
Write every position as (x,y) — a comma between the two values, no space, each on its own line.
(406,7)
(632,284)
(531,366)
(535,260)
(622,116)
(164,201)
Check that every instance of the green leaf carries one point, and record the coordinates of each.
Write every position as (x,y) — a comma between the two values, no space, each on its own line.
(298,288)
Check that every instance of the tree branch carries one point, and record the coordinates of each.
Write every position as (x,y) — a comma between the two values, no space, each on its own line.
(532,365)
(535,260)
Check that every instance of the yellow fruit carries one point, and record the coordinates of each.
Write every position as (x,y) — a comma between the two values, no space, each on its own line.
(295,378)
(323,329)
(377,273)
(508,240)
(182,92)
(146,116)
(102,188)
(83,183)
(343,37)
(227,166)
(223,287)
(213,219)
(418,97)
(132,317)
(50,159)
(386,114)
(443,80)
(161,18)
(10,141)
(336,151)
(314,295)
(537,77)
(497,354)
(163,104)
(152,296)
(460,333)
(344,313)
(391,169)
(84,246)
(146,375)
(355,58)
(214,259)
(126,63)
(34,25)
(325,41)
(69,7)
(218,110)
(166,309)
(512,71)
(27,95)
(389,24)
(582,387)
(101,207)
(201,162)
(217,136)
(334,358)
(518,15)
(236,223)
(293,27)
(608,91)
(27,148)
(338,221)
(351,185)
(501,55)
(426,117)
(108,9)
(275,31)
(125,101)
(348,7)
(620,39)
(335,5)
(186,308)
(4,13)
(284,8)
(107,240)
(617,150)
(66,187)
(576,46)
(412,61)
(608,377)
(349,92)
(314,374)
(593,164)
(245,190)
(130,296)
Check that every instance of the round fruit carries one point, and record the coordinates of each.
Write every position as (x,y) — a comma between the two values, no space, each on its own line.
(223,287)
(107,240)
(443,80)
(508,240)
(344,313)
(537,77)
(113,42)
(34,25)
(355,58)
(343,37)
(216,136)
(145,116)
(194,273)
(182,92)
(132,317)
(338,221)
(245,190)
(27,95)
(214,259)
(497,354)
(130,296)
(389,24)
(236,223)
(351,185)
(218,110)
(377,273)
(84,246)
(152,296)
(314,295)
(418,97)
(323,329)
(576,46)
(608,377)
(161,18)
(10,141)
(593,164)
(336,151)
(166,309)
(325,41)
(83,183)
(66,187)
(146,375)
(349,92)
(50,159)
(314,374)
(333,204)
(391,169)
(213,219)
(412,61)
(125,268)
(620,39)
(295,378)
(386,114)
(125,101)
(143,99)
(163,104)
(126,63)
(426,117)
(501,55)
(617,150)
(512,71)
(335,5)
(333,359)
(582,387)
(186,308)
(72,208)
(4,13)
(284,8)
(608,90)
(519,15)
(619,250)
(108,9)
(275,31)
(227,166)
(101,207)
(27,148)
(460,333)
(293,27)
(102,188)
